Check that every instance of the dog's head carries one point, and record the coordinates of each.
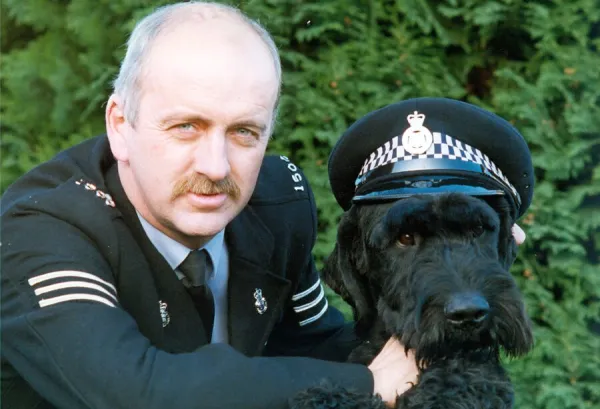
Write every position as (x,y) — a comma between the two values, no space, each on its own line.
(434,270)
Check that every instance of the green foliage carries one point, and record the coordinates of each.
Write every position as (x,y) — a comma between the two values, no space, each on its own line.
(533,62)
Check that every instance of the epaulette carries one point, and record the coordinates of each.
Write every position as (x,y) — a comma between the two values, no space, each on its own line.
(279,181)
(78,201)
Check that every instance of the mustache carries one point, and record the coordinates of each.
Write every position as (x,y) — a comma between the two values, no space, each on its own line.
(202,185)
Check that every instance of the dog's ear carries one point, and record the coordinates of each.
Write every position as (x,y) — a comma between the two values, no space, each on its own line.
(507,246)
(345,270)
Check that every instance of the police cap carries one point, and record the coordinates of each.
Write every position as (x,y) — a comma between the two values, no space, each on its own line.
(427,146)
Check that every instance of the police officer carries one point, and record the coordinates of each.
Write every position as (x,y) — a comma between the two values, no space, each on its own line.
(168,262)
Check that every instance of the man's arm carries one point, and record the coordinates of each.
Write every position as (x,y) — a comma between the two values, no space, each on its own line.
(311,327)
(78,348)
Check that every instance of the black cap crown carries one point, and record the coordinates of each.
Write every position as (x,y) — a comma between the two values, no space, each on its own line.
(431,145)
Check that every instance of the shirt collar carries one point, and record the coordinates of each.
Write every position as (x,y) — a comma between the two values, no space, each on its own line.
(175,252)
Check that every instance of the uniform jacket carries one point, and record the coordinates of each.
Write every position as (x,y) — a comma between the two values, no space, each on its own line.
(94,317)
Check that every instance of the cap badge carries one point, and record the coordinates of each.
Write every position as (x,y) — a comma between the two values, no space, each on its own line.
(261,302)
(416,139)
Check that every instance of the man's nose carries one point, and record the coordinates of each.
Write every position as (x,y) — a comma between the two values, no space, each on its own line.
(212,158)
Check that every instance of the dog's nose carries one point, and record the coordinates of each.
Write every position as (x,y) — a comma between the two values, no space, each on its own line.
(466,308)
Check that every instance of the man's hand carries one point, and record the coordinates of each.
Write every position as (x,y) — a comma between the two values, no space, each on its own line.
(394,371)
(518,234)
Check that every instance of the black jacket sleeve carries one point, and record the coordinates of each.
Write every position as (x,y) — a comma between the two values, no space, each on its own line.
(65,333)
(310,326)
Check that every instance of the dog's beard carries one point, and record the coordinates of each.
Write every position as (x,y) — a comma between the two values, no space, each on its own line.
(432,339)
(421,324)
(511,325)
(202,185)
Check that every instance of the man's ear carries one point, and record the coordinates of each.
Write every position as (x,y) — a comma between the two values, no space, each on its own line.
(117,128)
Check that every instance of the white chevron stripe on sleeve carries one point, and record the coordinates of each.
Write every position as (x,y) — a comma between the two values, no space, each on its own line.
(311,304)
(72,284)
(73,297)
(315,317)
(304,293)
(69,273)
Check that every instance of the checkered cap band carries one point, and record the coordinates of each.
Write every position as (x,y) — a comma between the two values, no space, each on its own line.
(443,147)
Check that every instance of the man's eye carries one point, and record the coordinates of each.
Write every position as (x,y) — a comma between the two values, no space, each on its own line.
(185,127)
(247,136)
(246,132)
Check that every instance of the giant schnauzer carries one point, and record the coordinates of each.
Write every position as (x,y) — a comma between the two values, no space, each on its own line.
(432,270)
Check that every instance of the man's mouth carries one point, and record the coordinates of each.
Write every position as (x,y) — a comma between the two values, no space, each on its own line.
(207,201)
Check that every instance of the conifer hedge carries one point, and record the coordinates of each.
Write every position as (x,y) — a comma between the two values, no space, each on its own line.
(534,62)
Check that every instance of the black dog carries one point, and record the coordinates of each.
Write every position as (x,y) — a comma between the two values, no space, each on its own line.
(433,271)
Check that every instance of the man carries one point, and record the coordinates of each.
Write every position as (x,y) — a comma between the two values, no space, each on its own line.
(115,252)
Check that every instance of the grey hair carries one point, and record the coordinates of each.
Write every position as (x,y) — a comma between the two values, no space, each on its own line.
(128,81)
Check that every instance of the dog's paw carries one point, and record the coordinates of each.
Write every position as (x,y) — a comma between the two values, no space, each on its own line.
(328,396)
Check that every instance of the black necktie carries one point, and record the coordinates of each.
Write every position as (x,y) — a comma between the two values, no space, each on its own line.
(195,269)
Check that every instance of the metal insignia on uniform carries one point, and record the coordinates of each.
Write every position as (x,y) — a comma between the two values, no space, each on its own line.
(109,200)
(261,302)
(164,314)
(416,139)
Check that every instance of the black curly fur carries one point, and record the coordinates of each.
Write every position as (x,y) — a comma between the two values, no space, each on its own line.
(327,395)
(463,244)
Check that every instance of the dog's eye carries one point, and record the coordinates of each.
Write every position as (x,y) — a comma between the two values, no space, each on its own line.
(406,239)
(478,230)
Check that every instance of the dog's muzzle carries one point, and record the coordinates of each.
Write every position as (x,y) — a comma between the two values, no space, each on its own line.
(466,309)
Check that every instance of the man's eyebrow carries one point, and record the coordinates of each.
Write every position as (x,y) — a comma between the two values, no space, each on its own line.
(250,124)
(179,118)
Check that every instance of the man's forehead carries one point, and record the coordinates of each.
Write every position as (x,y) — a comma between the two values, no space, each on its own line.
(228,61)
(211,79)
(210,38)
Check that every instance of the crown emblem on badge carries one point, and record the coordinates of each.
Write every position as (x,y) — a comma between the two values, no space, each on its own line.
(416,120)
(416,139)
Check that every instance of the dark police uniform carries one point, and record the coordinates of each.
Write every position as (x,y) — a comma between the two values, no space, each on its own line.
(94,317)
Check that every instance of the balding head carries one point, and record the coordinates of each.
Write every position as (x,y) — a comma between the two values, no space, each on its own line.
(135,66)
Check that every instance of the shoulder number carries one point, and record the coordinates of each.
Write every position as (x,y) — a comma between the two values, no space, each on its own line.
(296,176)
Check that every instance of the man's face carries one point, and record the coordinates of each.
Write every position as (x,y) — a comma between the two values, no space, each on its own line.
(204,119)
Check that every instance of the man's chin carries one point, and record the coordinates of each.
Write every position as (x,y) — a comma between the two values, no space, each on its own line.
(204,223)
